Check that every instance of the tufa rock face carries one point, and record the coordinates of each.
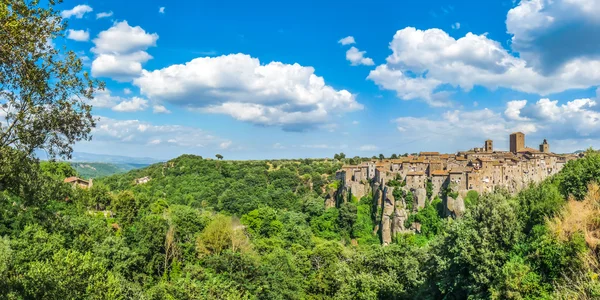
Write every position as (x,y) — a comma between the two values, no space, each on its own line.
(420,197)
(400,215)
(387,216)
(455,207)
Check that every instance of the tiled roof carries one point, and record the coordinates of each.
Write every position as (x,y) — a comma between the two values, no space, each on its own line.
(439,173)
(429,153)
(415,174)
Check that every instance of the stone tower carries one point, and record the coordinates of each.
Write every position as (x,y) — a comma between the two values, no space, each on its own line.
(545,147)
(489,146)
(517,142)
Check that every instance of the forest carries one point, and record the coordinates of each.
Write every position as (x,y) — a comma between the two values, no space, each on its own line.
(219,229)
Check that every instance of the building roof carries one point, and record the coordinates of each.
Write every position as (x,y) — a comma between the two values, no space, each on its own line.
(439,173)
(415,174)
(74,179)
(429,153)
(530,150)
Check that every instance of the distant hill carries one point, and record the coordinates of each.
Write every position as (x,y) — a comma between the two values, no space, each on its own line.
(100,169)
(114,159)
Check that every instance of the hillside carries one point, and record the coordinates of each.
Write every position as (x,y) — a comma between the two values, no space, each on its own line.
(207,229)
(98,169)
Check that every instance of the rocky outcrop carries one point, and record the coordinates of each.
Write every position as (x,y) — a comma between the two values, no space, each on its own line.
(420,197)
(387,215)
(359,189)
(455,207)
(400,216)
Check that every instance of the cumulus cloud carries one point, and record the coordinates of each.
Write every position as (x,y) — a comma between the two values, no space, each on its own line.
(161,10)
(545,118)
(423,62)
(349,40)
(273,94)
(133,105)
(77,11)
(104,99)
(104,15)
(78,35)
(549,34)
(159,109)
(513,109)
(136,132)
(357,57)
(121,51)
(456,25)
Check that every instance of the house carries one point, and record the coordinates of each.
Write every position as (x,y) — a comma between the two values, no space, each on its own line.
(76,181)
(142,180)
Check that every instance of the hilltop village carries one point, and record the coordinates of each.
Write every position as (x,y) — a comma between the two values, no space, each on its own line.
(448,176)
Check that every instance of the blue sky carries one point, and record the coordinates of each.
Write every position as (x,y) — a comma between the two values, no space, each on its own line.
(287,79)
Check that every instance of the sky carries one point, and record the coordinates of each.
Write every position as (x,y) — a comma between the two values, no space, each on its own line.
(296,79)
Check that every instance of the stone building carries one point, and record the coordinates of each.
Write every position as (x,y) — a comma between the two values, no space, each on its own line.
(489,146)
(481,171)
(78,182)
(545,147)
(517,142)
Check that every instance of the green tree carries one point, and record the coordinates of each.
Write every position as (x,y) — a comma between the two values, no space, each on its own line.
(474,250)
(381,156)
(577,174)
(219,156)
(43,88)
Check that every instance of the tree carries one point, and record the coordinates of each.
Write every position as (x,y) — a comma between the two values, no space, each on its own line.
(43,88)
(381,156)
(339,156)
(394,156)
(219,156)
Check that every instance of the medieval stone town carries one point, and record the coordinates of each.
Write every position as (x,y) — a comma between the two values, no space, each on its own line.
(479,169)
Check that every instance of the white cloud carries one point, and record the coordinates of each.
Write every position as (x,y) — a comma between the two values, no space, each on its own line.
(133,105)
(139,133)
(161,10)
(78,35)
(349,40)
(103,99)
(104,15)
(127,91)
(278,146)
(225,145)
(513,109)
(159,109)
(366,148)
(549,34)
(77,11)
(275,94)
(456,25)
(423,61)
(356,57)
(461,130)
(355,122)
(121,51)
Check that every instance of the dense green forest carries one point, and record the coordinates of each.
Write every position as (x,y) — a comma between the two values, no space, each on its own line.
(206,229)
(217,229)
(88,170)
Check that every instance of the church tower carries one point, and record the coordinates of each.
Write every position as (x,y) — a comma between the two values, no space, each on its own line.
(545,147)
